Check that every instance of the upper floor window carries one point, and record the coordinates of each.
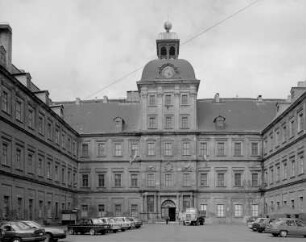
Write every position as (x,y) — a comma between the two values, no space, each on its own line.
(168,180)
(186,179)
(57,135)
(151,180)
(19,110)
(254,148)
(49,130)
(134,149)
(220,179)
(168,99)
(6,153)
(237,177)
(5,101)
(204,179)
(184,100)
(291,128)
(168,148)
(31,117)
(277,137)
(293,167)
(300,121)
(118,149)
(301,163)
(41,124)
(85,152)
(203,149)
(184,122)
(285,170)
(284,132)
(168,122)
(152,100)
(19,158)
(85,181)
(101,149)
(134,180)
(237,149)
(151,148)
(152,124)
(101,180)
(117,179)
(255,179)
(186,148)
(220,149)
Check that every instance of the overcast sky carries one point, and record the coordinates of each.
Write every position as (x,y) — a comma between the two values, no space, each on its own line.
(74,48)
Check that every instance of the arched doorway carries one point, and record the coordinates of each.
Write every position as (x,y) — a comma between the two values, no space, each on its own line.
(168,208)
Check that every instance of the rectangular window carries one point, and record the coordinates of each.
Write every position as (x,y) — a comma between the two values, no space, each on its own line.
(301,163)
(20,208)
(56,173)
(117,210)
(134,210)
(168,100)
(238,210)
(271,175)
(5,153)
(291,128)
(255,210)
(19,158)
(40,124)
(254,148)
(101,180)
(6,207)
(40,166)
(220,210)
(284,133)
(117,180)
(168,122)
(151,148)
(63,175)
(5,101)
(118,149)
(285,170)
(150,204)
(19,110)
(30,162)
(186,202)
(203,149)
(151,180)
(49,210)
(168,180)
(134,149)
(168,148)
(203,208)
(278,173)
(184,122)
(220,179)
(101,149)
(237,179)
(134,180)
(57,135)
(101,210)
(184,99)
(186,179)
(49,130)
(49,170)
(40,208)
(31,208)
(237,149)
(255,179)
(85,180)
(203,179)
(152,122)
(292,168)
(152,100)
(85,150)
(220,149)
(300,122)
(31,117)
(84,210)
(186,148)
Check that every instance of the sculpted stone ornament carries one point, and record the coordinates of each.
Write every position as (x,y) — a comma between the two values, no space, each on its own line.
(168,167)
(151,168)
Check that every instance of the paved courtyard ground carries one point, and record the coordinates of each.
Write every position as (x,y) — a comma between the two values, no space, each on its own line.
(176,233)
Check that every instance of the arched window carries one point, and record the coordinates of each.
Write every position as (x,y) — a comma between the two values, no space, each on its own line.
(172,51)
(163,52)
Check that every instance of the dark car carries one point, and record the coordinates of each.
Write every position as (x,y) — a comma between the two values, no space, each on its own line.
(287,226)
(137,222)
(257,222)
(53,234)
(17,232)
(263,224)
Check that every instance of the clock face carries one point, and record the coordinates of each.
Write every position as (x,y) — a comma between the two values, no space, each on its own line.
(168,72)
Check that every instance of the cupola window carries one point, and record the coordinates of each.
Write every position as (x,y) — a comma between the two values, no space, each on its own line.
(172,52)
(163,52)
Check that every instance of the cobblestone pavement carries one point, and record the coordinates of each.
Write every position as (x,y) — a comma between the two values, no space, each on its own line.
(176,233)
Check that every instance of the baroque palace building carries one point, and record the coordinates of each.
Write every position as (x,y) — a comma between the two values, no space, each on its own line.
(153,154)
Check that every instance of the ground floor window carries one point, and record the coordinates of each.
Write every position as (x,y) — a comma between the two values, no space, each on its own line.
(238,210)
(117,209)
(255,210)
(101,210)
(150,204)
(220,210)
(186,202)
(6,206)
(84,210)
(134,210)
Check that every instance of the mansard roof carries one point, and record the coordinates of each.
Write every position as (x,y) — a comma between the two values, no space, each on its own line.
(240,114)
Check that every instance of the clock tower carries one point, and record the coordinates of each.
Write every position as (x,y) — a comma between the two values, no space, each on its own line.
(168,89)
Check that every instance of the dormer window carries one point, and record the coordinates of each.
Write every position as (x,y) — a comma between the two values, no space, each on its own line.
(119,123)
(172,52)
(219,122)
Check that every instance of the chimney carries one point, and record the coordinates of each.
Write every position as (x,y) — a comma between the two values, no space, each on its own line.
(132,96)
(6,46)
(296,92)
(105,99)
(77,101)
(217,98)
(259,98)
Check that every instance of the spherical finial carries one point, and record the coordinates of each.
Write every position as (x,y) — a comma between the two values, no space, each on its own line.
(168,26)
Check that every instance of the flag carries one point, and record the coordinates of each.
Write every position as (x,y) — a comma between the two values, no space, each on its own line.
(133,158)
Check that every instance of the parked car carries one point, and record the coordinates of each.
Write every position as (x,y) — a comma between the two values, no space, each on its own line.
(92,226)
(52,234)
(255,225)
(250,221)
(125,223)
(17,232)
(287,226)
(137,223)
(264,224)
(114,226)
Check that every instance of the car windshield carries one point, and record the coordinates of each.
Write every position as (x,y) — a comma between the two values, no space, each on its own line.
(96,221)
(20,226)
(32,224)
(119,219)
(103,220)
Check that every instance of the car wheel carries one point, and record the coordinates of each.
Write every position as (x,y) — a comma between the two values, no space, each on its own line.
(283,233)
(114,231)
(92,232)
(16,240)
(48,238)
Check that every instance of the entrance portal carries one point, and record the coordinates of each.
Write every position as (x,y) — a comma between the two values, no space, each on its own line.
(168,209)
